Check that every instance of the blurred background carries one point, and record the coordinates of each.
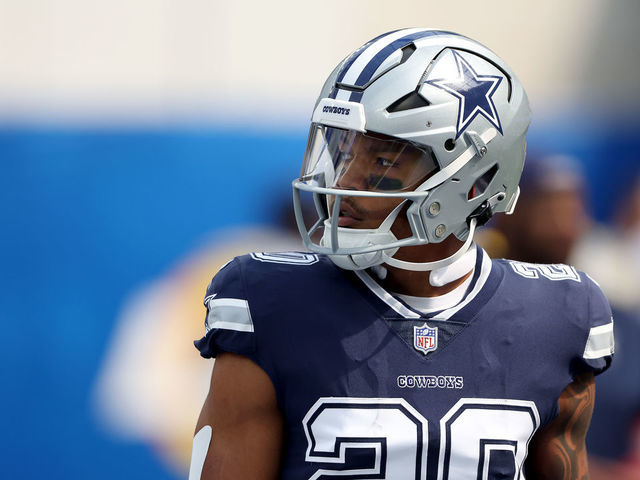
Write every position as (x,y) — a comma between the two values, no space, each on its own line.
(144,143)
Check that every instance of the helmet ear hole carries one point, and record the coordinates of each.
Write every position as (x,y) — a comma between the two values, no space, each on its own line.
(450,144)
(482,183)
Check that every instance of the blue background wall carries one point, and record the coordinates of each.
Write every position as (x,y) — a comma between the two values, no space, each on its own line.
(89,215)
(86,217)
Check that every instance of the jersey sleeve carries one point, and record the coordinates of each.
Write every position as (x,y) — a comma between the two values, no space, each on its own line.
(228,323)
(599,345)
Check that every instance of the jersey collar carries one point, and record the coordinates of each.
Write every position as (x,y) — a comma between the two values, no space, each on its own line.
(392,306)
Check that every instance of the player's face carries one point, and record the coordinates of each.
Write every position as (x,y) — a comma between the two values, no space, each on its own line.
(376,164)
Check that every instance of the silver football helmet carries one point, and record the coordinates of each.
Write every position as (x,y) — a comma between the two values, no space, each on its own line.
(431,119)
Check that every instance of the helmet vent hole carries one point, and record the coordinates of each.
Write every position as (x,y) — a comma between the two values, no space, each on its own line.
(449,145)
(408,102)
(407,52)
(483,182)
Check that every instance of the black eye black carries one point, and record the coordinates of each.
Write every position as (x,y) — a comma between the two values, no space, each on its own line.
(386,184)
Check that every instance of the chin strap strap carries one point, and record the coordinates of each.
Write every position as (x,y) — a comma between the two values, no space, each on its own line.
(423,266)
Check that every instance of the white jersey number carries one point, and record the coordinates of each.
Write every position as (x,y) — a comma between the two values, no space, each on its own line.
(479,438)
(555,272)
(287,258)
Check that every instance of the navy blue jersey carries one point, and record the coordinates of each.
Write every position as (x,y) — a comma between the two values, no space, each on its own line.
(371,388)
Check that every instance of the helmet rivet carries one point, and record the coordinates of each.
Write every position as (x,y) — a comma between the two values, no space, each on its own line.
(440,229)
(483,151)
(434,208)
(428,124)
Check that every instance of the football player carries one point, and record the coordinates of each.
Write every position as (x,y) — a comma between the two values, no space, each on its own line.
(396,348)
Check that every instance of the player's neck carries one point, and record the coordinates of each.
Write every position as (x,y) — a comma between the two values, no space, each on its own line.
(416,284)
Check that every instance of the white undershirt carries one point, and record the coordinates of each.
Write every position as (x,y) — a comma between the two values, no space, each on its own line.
(442,302)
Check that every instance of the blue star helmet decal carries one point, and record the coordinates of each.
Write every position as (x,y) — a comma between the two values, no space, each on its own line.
(474,94)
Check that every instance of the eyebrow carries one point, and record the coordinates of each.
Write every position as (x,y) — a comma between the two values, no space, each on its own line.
(397,148)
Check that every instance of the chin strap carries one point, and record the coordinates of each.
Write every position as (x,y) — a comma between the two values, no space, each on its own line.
(423,266)
(454,271)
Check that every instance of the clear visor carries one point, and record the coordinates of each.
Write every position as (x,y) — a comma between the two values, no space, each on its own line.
(351,160)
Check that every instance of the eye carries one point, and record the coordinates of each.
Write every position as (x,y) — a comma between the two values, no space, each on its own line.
(385,162)
(342,159)
(345,157)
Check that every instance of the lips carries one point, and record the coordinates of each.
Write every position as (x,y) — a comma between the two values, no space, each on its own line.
(348,215)
(345,221)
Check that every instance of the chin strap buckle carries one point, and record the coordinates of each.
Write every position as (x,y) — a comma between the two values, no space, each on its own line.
(484,212)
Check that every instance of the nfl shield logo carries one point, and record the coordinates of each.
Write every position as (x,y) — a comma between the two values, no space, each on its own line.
(425,338)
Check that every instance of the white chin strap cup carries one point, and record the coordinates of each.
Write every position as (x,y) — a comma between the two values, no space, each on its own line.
(458,269)
(361,261)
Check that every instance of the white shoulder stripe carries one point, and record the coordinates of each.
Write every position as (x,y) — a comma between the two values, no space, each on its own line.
(228,302)
(229,314)
(600,342)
